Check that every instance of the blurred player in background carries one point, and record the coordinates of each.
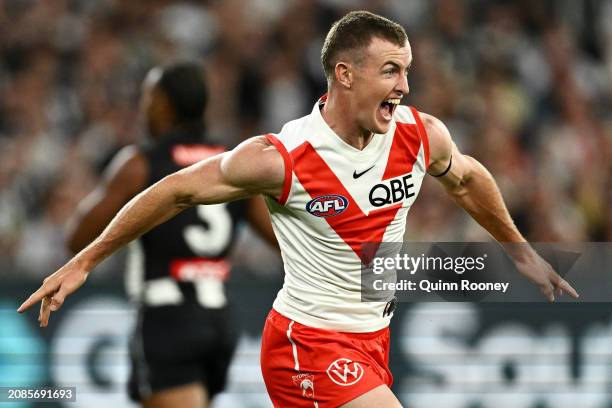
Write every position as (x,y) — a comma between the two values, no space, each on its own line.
(341,176)
(185,336)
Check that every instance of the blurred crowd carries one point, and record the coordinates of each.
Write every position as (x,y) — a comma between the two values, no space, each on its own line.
(524,86)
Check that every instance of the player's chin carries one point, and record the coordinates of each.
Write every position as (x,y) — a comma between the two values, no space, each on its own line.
(381,126)
(382,120)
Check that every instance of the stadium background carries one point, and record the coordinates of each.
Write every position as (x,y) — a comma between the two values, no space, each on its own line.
(524,86)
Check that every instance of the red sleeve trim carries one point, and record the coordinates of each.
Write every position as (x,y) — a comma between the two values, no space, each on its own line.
(288,167)
(423,134)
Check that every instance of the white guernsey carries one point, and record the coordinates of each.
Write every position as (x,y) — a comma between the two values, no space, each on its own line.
(335,198)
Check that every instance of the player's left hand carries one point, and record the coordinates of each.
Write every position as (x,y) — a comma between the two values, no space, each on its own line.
(539,272)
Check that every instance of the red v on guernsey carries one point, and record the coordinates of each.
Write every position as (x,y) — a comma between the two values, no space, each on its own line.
(352,224)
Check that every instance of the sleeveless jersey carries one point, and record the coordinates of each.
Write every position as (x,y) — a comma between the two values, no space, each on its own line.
(183,260)
(336,197)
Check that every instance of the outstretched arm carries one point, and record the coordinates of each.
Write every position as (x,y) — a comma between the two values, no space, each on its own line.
(473,188)
(253,167)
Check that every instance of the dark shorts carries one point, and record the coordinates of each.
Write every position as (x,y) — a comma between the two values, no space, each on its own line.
(177,345)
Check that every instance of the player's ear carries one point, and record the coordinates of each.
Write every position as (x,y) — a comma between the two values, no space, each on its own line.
(344,74)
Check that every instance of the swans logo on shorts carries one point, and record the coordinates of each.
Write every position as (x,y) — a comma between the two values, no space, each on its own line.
(306,384)
(327,205)
(345,372)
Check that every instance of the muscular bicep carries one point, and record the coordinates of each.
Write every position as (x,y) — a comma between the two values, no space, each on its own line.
(447,164)
(253,167)
(125,177)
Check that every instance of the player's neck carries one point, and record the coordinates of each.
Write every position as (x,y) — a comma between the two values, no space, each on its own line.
(338,117)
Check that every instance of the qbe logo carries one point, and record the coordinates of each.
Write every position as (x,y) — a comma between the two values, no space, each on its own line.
(327,205)
(392,191)
(345,372)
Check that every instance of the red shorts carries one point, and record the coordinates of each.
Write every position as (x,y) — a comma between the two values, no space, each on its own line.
(307,367)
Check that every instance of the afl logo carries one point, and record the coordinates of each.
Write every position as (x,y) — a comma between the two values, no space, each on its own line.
(327,205)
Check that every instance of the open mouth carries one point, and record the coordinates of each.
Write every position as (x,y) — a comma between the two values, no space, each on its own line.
(387,107)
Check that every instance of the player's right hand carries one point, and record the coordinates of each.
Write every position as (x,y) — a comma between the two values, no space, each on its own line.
(54,290)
